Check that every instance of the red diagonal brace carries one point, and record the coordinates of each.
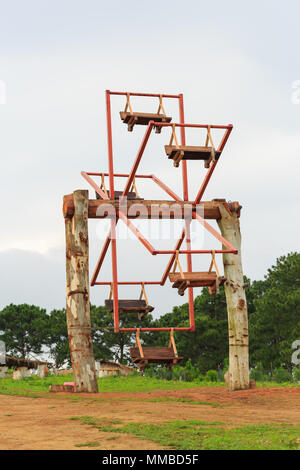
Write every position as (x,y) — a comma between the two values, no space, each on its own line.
(101,259)
(172,258)
(137,233)
(166,188)
(137,160)
(214,232)
(213,166)
(94,185)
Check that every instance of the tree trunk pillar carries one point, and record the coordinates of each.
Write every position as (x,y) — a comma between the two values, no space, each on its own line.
(238,378)
(77,296)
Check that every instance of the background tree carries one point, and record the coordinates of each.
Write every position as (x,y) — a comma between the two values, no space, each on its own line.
(24,329)
(276,321)
(58,340)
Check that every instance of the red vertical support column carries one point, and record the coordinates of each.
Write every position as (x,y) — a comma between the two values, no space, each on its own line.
(110,150)
(183,162)
(187,222)
(113,221)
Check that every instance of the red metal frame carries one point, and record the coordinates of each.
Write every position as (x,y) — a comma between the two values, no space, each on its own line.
(111,237)
(129,283)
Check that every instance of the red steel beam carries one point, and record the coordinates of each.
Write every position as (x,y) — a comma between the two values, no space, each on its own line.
(184,163)
(172,258)
(199,126)
(206,181)
(128,283)
(166,188)
(94,185)
(193,252)
(110,149)
(137,233)
(137,160)
(115,274)
(216,234)
(101,259)
(189,269)
(113,221)
(225,138)
(187,222)
(117,175)
(158,329)
(213,166)
(151,95)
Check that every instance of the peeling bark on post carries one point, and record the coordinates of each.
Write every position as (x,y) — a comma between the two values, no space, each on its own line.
(78,299)
(236,303)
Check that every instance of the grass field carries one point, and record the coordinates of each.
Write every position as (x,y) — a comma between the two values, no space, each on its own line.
(35,386)
(201,435)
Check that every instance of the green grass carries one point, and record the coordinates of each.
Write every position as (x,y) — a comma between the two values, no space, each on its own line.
(200,435)
(135,383)
(277,385)
(193,436)
(35,387)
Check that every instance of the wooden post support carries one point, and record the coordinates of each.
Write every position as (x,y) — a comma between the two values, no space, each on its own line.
(236,303)
(77,293)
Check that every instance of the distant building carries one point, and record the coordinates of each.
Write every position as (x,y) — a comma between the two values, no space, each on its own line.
(14,362)
(107,368)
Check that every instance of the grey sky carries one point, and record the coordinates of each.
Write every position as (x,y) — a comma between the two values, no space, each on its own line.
(235,62)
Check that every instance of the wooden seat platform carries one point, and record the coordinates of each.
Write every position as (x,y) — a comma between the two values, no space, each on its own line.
(131,119)
(155,356)
(131,306)
(196,279)
(184,152)
(130,196)
(143,356)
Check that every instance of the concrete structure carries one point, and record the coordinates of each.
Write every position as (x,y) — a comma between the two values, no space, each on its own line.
(42,370)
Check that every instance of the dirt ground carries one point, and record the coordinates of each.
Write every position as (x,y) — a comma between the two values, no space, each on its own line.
(44,423)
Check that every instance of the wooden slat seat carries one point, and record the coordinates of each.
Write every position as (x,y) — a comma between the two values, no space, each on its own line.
(145,355)
(131,119)
(130,196)
(195,279)
(130,306)
(154,355)
(184,152)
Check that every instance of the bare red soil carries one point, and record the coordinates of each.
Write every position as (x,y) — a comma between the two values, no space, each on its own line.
(44,423)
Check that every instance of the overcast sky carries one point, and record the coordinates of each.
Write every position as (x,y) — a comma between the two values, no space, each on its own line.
(235,62)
